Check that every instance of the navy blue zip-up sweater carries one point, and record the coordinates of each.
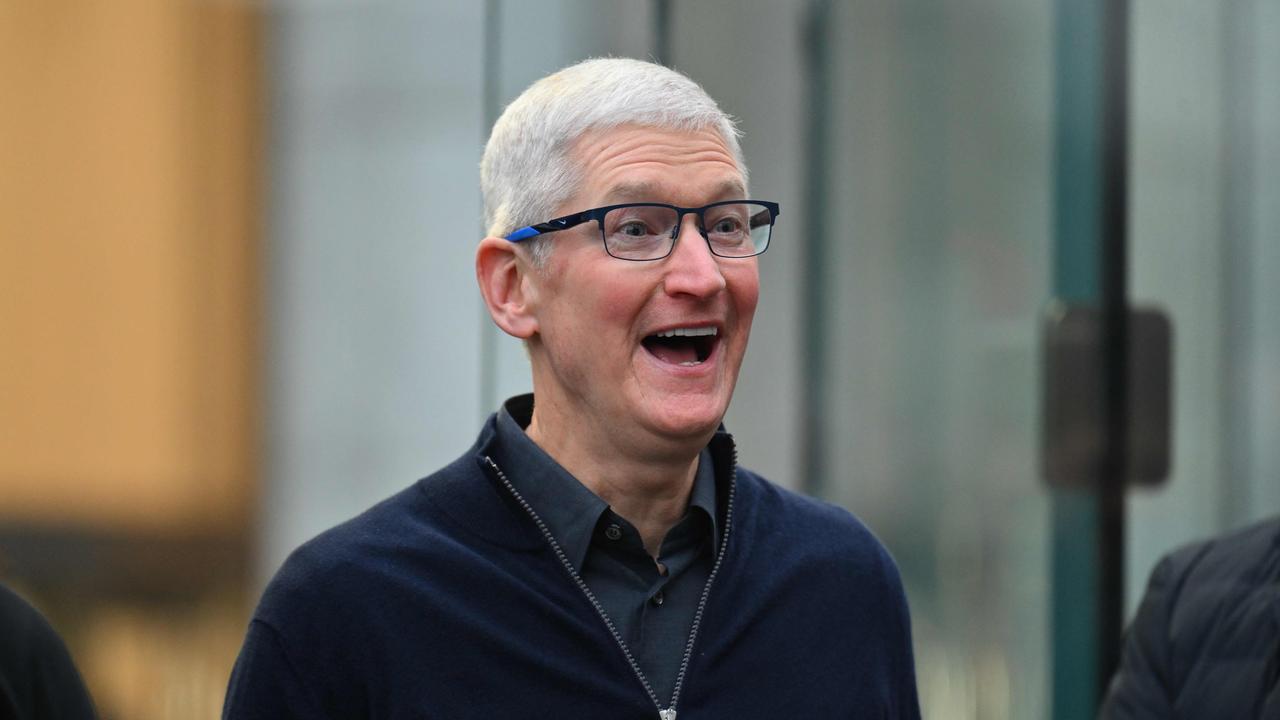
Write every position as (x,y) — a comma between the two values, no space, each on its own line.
(446,601)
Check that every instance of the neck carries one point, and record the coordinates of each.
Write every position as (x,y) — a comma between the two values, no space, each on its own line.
(651,493)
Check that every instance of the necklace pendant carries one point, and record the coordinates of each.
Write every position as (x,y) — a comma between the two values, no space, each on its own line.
(668,714)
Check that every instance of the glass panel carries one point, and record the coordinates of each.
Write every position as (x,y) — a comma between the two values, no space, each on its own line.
(1205,219)
(942,182)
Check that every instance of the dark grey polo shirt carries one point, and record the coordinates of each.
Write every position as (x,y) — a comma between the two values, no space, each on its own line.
(652,603)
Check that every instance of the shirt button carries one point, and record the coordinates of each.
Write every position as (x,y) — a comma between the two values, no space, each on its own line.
(657,599)
(613,532)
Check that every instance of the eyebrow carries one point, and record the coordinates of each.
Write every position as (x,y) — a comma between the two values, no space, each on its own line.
(647,191)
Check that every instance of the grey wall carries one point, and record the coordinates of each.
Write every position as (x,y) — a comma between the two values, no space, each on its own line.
(373,340)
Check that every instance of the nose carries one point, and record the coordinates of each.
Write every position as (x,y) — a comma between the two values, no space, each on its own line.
(691,269)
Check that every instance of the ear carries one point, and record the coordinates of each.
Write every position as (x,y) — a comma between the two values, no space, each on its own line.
(503,275)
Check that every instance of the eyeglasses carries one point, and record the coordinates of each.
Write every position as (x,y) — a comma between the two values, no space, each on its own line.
(648,231)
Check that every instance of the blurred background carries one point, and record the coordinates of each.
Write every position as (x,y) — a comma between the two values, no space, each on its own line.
(237,302)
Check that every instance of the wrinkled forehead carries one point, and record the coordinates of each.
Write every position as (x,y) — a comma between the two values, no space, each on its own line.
(632,163)
(628,191)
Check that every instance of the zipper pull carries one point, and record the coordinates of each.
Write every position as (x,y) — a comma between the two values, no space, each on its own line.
(668,714)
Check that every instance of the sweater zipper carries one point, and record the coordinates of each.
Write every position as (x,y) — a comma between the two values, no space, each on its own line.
(669,713)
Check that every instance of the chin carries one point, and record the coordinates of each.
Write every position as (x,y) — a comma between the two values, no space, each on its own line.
(687,420)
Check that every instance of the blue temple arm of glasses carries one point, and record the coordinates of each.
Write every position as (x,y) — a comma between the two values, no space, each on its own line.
(560,223)
(524,233)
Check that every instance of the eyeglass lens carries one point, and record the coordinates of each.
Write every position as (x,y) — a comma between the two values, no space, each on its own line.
(648,232)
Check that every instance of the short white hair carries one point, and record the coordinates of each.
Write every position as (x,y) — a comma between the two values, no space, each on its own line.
(526,172)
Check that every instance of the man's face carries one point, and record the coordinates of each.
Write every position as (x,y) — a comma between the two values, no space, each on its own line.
(597,355)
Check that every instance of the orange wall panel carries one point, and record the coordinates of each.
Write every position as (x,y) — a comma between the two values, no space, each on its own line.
(128,266)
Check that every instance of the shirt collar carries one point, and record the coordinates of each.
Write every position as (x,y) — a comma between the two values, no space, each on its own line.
(704,494)
(569,509)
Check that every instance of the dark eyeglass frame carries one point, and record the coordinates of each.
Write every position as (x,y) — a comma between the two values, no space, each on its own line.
(597,214)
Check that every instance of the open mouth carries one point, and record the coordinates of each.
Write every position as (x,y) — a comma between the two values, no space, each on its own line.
(683,346)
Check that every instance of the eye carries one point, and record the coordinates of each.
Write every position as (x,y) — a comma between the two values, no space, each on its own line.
(727,225)
(633,228)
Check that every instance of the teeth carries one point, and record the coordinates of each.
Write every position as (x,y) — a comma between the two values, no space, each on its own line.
(691,363)
(688,332)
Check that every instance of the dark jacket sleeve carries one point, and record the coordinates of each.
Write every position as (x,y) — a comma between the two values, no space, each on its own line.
(265,683)
(1141,688)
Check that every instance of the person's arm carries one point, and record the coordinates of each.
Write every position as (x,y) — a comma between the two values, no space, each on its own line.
(1141,686)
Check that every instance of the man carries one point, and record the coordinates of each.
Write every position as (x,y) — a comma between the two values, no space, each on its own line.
(598,553)
(1206,640)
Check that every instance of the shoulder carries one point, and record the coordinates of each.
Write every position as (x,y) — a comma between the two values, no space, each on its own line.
(430,532)
(1191,581)
(820,587)
(18,618)
(23,628)
(1204,580)
(1203,628)
(1235,556)
(781,509)
(29,639)
(798,528)
(351,558)
(36,670)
